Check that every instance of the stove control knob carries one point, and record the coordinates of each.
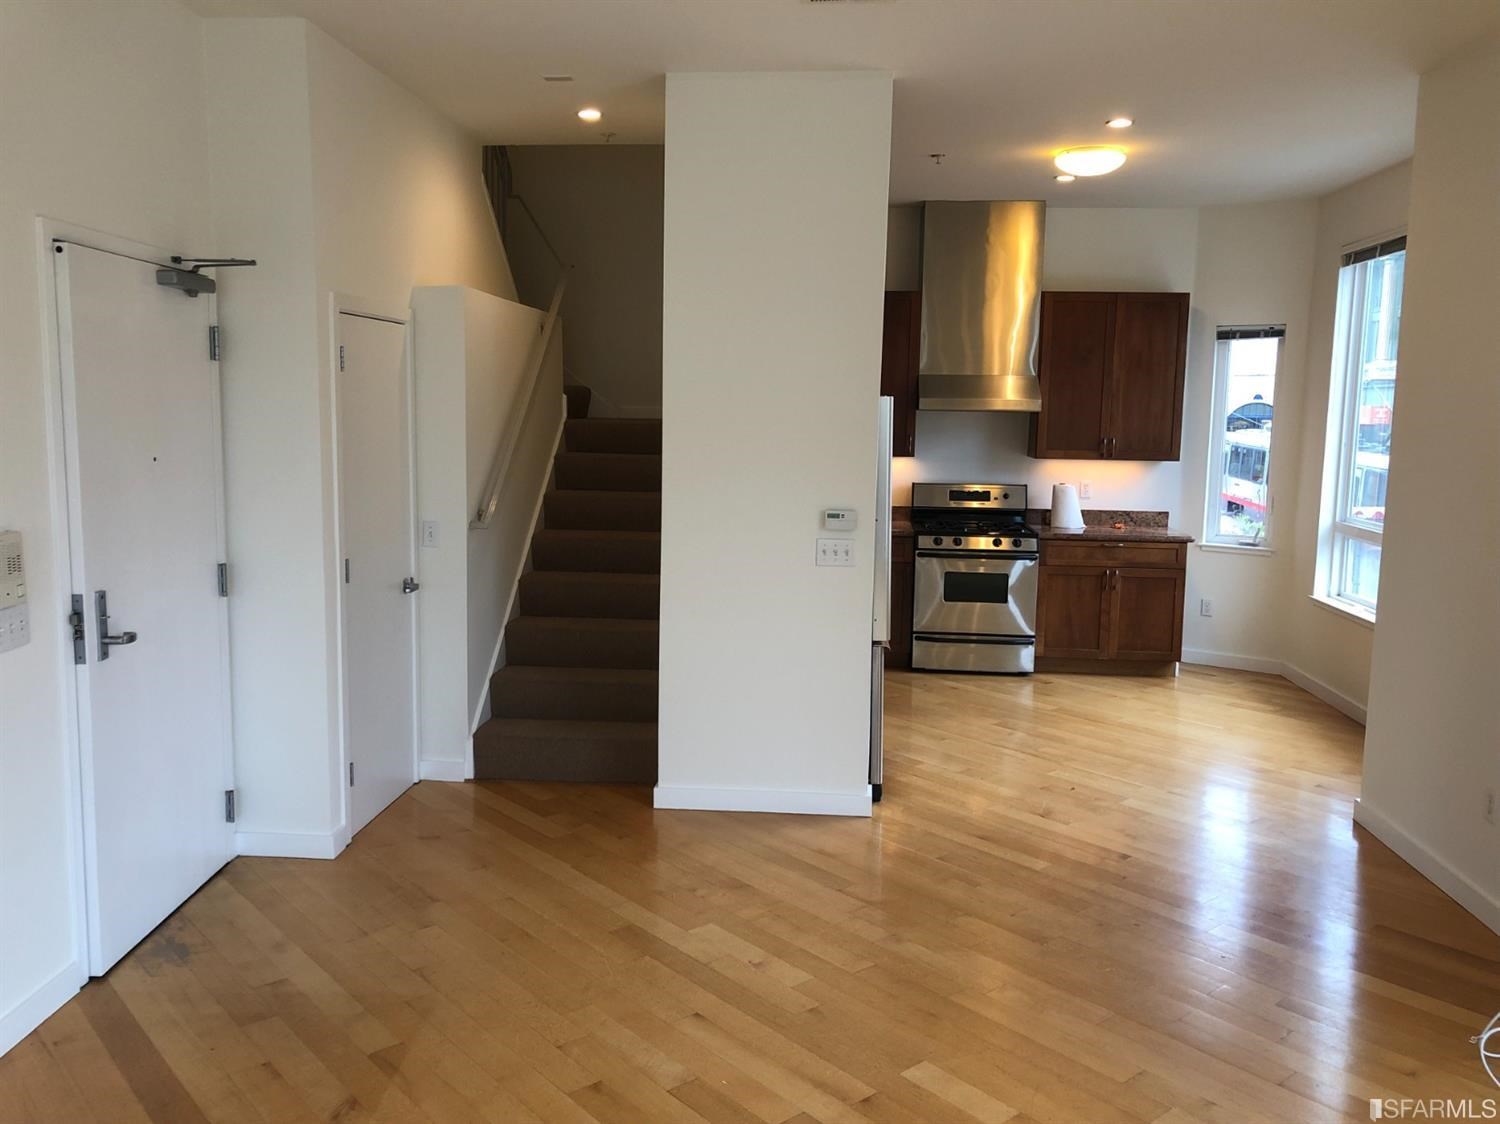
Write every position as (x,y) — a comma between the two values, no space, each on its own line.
(997,542)
(958,542)
(937,542)
(1015,542)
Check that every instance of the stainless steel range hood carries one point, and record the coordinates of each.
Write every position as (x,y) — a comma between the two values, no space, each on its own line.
(981,301)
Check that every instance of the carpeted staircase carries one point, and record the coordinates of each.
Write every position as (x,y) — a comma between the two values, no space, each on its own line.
(576,697)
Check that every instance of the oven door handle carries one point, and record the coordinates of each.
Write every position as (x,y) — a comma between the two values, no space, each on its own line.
(983,556)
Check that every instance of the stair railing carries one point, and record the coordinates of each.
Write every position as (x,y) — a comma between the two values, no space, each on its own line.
(511,437)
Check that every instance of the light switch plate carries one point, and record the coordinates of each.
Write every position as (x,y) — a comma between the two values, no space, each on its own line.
(835,552)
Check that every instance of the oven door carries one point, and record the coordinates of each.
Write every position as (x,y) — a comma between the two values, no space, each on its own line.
(975,595)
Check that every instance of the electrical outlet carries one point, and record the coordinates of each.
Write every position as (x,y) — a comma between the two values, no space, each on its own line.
(1085,490)
(835,552)
(1205,608)
(429,533)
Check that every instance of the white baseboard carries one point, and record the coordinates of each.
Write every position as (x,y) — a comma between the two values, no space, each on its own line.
(763,800)
(1336,699)
(291,844)
(443,770)
(1472,897)
(1207,658)
(28,1014)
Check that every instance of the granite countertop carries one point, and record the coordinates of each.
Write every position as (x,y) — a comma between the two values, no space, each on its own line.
(1119,526)
(1116,526)
(1116,534)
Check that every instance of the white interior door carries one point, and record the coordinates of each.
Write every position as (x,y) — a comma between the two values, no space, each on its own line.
(145,491)
(379,546)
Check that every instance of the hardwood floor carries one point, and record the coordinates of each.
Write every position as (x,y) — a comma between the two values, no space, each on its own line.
(1084,899)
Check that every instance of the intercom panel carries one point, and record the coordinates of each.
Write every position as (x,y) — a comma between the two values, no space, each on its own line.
(15,625)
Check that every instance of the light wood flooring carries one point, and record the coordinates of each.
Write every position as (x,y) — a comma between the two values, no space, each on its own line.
(1084,899)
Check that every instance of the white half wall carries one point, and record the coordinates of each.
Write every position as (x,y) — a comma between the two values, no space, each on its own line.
(1432,751)
(472,352)
(98,99)
(776,200)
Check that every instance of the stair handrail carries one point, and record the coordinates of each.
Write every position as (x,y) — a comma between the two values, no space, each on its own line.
(511,437)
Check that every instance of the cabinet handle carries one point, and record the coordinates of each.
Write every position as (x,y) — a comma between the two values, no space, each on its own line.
(1112,447)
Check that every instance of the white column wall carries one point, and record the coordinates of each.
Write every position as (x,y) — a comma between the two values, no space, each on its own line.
(776,198)
(1432,753)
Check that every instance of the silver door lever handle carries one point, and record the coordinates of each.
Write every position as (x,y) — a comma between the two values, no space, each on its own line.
(101,616)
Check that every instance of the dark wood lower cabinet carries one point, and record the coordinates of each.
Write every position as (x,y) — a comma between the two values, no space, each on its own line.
(1072,608)
(1116,603)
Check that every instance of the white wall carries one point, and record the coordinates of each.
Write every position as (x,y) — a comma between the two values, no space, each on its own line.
(1085,248)
(1255,265)
(1327,650)
(472,351)
(1432,753)
(101,126)
(770,381)
(601,206)
(338,181)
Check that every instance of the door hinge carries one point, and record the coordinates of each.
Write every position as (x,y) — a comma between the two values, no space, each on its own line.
(223,571)
(346,571)
(75,618)
(215,348)
(341,357)
(351,774)
(229,805)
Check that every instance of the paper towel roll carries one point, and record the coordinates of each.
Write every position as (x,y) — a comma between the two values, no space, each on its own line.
(1066,514)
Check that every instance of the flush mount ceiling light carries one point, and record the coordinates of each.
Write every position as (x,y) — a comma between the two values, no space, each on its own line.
(1093,160)
(1120,122)
(1065,178)
(588,114)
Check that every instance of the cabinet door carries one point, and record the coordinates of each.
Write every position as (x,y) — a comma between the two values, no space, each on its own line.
(899,356)
(1073,366)
(1145,614)
(1072,604)
(1147,362)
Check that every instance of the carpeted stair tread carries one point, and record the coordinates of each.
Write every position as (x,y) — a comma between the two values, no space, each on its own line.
(578,398)
(608,472)
(624,552)
(585,593)
(581,642)
(617,694)
(613,435)
(566,750)
(590,509)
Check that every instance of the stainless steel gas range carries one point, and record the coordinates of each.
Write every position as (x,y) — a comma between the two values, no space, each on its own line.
(974,606)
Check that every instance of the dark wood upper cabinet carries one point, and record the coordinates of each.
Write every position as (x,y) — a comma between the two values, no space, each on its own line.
(1112,367)
(899,358)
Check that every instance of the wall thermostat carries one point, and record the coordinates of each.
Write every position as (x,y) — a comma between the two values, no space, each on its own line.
(15,627)
(839,519)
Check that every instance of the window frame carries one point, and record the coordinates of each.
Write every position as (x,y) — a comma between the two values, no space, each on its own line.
(1341,532)
(1213,538)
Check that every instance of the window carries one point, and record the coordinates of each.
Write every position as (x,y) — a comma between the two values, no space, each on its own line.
(1361,406)
(1239,485)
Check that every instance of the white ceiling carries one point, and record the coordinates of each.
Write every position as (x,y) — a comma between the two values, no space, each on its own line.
(1235,99)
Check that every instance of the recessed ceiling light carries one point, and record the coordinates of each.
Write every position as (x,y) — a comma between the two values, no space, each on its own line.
(1092,160)
(1120,122)
(589,114)
(1065,178)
